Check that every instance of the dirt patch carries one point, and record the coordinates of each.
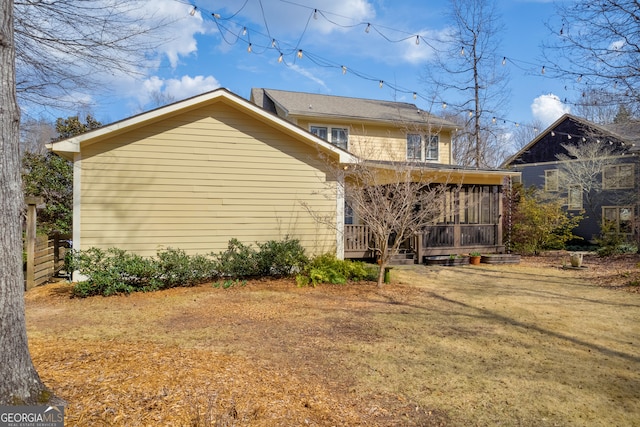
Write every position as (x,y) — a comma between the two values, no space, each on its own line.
(529,344)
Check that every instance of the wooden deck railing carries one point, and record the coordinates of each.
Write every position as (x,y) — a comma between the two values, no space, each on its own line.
(358,241)
(446,238)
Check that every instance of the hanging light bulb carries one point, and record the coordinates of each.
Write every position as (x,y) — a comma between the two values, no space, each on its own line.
(249,48)
(193,11)
(584,139)
(366,30)
(273,43)
(381,84)
(553,133)
(568,136)
(344,70)
(444,105)
(579,78)
(462,51)
(280,59)
(315,13)
(504,60)
(535,130)
(470,113)
(517,125)
(415,95)
(299,53)
(215,15)
(244,31)
(417,40)
(493,120)
(542,71)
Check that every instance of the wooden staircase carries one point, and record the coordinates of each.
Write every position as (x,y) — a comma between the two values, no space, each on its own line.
(404,257)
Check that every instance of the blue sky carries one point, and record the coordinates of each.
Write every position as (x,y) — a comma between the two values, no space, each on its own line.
(204,53)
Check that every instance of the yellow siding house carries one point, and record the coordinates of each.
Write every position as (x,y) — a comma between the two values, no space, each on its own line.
(194,174)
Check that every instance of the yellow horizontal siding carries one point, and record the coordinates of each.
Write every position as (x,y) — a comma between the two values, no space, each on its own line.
(383,142)
(195,181)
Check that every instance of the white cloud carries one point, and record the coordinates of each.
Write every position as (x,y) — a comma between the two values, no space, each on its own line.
(548,108)
(174,89)
(309,75)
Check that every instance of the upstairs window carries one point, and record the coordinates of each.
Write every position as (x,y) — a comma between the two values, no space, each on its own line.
(551,180)
(418,151)
(414,147)
(616,177)
(337,136)
(431,150)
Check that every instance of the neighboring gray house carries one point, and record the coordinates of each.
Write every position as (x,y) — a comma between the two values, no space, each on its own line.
(616,200)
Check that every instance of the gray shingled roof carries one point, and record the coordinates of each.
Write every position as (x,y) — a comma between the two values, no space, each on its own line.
(359,109)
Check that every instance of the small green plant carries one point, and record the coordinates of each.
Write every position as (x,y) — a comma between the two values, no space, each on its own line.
(475,254)
(328,269)
(612,242)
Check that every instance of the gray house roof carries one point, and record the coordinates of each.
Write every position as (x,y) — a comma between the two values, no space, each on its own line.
(299,104)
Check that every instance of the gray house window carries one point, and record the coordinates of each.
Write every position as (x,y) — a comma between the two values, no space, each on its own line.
(339,136)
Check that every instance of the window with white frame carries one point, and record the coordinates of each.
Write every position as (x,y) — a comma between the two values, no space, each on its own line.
(616,177)
(619,219)
(431,150)
(551,180)
(337,136)
(416,150)
(574,197)
(414,147)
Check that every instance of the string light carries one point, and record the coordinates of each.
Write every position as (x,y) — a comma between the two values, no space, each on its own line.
(323,62)
(493,120)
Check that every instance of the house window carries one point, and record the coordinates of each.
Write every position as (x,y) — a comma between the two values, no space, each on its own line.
(551,180)
(431,150)
(618,219)
(339,136)
(575,197)
(414,147)
(618,176)
(348,214)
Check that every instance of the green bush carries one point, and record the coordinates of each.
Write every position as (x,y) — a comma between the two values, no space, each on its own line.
(280,258)
(328,269)
(540,223)
(239,260)
(611,242)
(112,271)
(175,268)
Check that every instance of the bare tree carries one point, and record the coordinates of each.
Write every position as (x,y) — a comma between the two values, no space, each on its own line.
(63,46)
(582,167)
(597,46)
(34,134)
(396,200)
(467,69)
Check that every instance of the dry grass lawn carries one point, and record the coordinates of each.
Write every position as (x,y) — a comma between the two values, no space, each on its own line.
(519,345)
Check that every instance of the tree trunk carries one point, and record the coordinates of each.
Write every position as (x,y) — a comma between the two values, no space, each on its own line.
(19,381)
